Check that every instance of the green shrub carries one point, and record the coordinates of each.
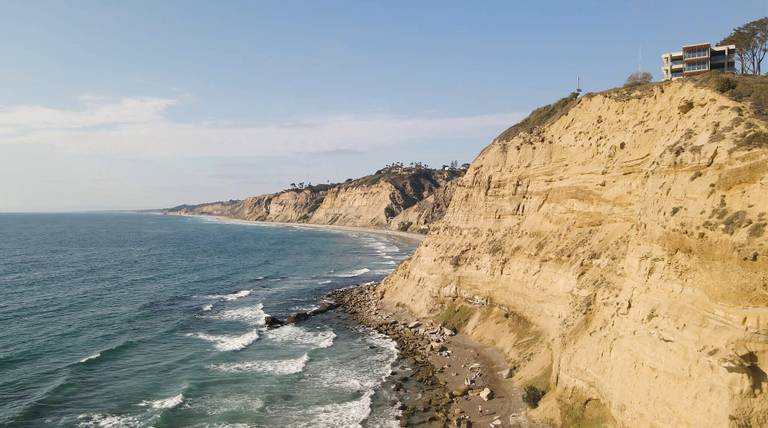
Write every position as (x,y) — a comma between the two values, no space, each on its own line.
(455,316)
(532,396)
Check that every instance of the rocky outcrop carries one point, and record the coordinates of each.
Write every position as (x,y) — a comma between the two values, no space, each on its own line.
(405,199)
(614,248)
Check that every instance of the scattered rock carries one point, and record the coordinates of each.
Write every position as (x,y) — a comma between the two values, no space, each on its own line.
(506,373)
(486,394)
(324,306)
(296,317)
(414,324)
(438,347)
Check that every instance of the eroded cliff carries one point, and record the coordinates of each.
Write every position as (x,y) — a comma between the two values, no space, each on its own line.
(399,198)
(614,248)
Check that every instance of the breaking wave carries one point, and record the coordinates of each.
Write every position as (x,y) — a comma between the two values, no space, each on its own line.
(297,335)
(253,315)
(230,297)
(354,273)
(228,343)
(278,367)
(165,403)
(348,414)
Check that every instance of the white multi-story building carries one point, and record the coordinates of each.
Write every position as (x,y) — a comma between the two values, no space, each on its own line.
(697,59)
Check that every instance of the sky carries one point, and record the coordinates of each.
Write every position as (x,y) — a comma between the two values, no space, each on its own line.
(115,105)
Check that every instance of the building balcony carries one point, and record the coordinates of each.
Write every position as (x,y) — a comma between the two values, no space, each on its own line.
(722,58)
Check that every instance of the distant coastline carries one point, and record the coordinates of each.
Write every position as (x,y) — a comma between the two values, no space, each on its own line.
(410,237)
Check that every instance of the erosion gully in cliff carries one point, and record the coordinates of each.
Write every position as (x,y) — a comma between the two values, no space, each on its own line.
(613,246)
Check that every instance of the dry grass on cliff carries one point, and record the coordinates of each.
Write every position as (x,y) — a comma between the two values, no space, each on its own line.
(541,117)
(752,90)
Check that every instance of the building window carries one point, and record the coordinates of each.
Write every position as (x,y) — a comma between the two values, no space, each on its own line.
(696,53)
(696,66)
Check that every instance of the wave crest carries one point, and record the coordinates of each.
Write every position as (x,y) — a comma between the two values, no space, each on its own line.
(349,414)
(279,367)
(228,343)
(297,335)
(165,403)
(353,273)
(230,297)
(253,315)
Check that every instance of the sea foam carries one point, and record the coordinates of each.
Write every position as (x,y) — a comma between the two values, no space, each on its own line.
(230,297)
(354,273)
(165,403)
(97,420)
(278,367)
(253,314)
(228,343)
(300,336)
(348,414)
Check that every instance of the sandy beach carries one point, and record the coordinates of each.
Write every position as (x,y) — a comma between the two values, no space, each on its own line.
(460,383)
(413,238)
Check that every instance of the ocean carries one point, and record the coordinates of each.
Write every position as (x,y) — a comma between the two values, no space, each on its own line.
(139,320)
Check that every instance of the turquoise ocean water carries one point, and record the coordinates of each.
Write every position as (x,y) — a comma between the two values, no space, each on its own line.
(138,320)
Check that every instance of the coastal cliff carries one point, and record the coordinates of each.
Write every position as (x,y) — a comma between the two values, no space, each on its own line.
(397,198)
(614,247)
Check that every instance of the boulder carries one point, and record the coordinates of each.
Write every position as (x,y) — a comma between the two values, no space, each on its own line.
(486,394)
(272,322)
(506,373)
(414,324)
(296,317)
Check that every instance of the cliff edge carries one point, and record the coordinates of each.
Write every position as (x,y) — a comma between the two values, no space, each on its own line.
(614,247)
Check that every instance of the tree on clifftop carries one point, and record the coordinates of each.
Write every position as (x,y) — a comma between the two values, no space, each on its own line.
(638,78)
(751,40)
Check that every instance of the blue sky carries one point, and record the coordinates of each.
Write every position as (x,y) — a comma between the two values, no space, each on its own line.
(121,105)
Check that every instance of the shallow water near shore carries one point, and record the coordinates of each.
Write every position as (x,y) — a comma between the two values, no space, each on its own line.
(146,320)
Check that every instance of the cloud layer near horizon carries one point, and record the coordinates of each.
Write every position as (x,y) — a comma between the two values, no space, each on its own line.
(139,127)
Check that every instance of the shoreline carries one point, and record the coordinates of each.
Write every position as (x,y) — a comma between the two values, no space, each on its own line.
(409,237)
(441,378)
(453,381)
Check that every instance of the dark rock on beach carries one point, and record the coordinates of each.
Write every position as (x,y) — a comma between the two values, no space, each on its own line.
(425,399)
(272,322)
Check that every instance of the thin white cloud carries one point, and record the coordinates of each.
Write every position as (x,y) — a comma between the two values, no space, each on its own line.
(139,127)
(96,113)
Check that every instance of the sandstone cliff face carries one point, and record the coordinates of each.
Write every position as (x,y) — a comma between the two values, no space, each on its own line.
(407,200)
(419,217)
(618,256)
(381,201)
